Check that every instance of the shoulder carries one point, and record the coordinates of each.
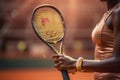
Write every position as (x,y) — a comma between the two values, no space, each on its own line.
(116,19)
(116,14)
(116,11)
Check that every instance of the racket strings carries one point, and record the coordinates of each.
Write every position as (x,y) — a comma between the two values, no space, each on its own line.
(48,25)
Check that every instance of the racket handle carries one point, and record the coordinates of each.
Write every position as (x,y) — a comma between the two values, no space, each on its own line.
(65,75)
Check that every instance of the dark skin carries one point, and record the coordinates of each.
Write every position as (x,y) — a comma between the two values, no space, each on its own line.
(63,62)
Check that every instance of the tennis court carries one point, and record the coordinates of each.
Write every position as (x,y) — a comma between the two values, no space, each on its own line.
(40,74)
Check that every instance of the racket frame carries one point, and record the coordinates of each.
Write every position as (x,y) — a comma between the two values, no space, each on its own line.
(49,6)
(64,72)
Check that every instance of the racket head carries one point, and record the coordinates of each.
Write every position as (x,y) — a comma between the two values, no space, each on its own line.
(48,23)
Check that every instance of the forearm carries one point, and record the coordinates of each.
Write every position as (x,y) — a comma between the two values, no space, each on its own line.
(107,65)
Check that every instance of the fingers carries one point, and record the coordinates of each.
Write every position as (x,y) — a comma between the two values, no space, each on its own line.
(61,67)
(63,62)
(58,58)
(57,65)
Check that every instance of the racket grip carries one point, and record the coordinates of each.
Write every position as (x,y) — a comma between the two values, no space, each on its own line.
(65,75)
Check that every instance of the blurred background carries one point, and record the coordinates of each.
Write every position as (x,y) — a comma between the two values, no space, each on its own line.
(21,52)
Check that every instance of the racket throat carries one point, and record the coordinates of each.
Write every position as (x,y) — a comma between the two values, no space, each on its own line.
(57,48)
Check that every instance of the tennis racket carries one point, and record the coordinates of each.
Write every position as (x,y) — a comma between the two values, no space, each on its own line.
(49,26)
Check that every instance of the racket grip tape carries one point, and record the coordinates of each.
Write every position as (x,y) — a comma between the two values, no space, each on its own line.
(65,75)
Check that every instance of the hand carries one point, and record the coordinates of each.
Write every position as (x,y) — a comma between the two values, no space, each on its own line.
(64,62)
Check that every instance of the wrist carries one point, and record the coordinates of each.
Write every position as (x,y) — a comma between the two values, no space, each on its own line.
(79,63)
